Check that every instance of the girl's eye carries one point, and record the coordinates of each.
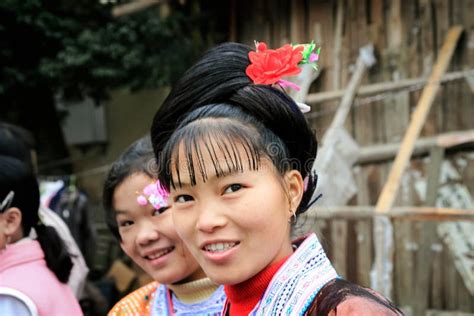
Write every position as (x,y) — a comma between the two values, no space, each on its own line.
(161,210)
(125,223)
(233,188)
(183,198)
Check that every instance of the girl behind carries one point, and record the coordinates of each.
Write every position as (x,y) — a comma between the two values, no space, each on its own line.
(36,269)
(138,215)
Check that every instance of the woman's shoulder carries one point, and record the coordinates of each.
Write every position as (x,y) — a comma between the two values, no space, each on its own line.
(136,303)
(350,299)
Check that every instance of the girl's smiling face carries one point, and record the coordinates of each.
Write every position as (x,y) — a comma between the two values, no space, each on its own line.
(148,236)
(238,223)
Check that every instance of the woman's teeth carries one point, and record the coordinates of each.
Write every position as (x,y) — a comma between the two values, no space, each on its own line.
(160,253)
(220,246)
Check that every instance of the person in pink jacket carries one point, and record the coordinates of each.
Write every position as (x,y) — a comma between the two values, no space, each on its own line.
(33,272)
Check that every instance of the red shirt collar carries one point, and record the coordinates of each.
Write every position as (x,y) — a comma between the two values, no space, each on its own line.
(244,296)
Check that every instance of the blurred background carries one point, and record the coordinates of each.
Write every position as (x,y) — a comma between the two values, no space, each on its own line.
(86,77)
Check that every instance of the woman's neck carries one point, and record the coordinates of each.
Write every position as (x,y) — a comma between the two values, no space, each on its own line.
(193,291)
(244,296)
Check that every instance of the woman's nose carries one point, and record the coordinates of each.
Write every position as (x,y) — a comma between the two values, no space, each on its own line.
(211,218)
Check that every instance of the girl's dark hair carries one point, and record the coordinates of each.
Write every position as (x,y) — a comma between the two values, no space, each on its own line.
(216,98)
(16,176)
(17,142)
(136,158)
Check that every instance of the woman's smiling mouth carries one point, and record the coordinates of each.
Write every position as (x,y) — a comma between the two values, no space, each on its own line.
(219,247)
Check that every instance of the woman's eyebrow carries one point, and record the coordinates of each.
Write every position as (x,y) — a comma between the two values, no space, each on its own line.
(213,177)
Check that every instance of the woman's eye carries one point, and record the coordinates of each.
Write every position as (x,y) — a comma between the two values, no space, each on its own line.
(233,188)
(125,223)
(183,198)
(161,210)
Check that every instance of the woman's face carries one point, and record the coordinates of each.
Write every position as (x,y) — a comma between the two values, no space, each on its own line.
(149,237)
(235,225)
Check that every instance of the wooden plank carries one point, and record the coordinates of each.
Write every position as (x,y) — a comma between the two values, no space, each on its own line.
(388,86)
(320,18)
(434,170)
(298,19)
(425,254)
(337,45)
(382,152)
(383,244)
(391,187)
(363,230)
(363,118)
(447,313)
(395,69)
(437,285)
(339,246)
(441,25)
(364,61)
(424,267)
(339,228)
(411,213)
(377,25)
(450,282)
(364,251)
(404,262)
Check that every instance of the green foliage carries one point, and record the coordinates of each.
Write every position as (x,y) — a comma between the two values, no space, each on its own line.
(76,48)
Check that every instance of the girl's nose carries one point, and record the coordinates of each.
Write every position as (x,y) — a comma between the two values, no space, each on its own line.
(147,233)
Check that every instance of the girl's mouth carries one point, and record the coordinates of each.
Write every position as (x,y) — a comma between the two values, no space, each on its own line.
(159,253)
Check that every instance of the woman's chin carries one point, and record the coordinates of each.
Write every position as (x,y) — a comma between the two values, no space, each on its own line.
(225,278)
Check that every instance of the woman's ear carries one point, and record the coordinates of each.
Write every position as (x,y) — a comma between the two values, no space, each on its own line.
(12,221)
(295,188)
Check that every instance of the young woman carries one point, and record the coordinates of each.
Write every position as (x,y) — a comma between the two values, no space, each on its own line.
(33,272)
(137,213)
(237,158)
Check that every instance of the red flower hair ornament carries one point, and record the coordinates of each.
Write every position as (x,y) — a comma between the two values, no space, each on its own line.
(268,66)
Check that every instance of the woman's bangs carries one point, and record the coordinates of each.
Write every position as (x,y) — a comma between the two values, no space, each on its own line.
(212,147)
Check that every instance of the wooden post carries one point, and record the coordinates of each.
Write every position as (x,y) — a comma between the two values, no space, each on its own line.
(384,243)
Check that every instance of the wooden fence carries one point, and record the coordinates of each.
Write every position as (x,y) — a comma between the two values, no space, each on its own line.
(407,36)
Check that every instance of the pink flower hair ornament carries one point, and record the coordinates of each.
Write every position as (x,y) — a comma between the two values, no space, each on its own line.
(155,194)
(268,66)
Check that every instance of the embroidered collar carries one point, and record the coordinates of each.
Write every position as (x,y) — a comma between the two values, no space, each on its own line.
(298,281)
(244,296)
